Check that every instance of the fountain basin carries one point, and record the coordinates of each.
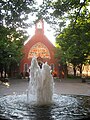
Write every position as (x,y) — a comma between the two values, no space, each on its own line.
(63,107)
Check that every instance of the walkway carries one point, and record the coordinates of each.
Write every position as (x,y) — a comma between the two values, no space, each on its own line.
(71,86)
(19,86)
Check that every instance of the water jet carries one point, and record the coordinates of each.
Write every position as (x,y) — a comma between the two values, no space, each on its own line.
(41,83)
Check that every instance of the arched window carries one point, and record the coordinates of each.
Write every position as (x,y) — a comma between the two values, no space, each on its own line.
(39,50)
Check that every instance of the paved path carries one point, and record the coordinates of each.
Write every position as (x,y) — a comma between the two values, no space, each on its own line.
(72,87)
(19,86)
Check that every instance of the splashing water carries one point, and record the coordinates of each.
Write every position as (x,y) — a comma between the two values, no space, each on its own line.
(41,84)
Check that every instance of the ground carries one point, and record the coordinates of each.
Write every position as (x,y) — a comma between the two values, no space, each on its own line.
(68,86)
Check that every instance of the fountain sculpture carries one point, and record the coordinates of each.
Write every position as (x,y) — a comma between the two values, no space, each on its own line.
(41,103)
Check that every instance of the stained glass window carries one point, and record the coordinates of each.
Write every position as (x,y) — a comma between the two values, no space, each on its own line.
(39,49)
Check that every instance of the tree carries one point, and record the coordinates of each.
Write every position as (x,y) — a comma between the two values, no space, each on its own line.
(58,12)
(10,49)
(13,14)
(75,43)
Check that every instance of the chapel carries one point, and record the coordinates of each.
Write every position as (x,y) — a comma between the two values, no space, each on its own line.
(41,47)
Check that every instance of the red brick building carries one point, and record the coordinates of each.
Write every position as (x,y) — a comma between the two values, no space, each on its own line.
(38,46)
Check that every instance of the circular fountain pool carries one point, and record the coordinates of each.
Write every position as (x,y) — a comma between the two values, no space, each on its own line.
(63,107)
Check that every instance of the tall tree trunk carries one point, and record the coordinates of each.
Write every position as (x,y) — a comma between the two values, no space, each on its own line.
(65,71)
(74,69)
(80,67)
(1,73)
(1,70)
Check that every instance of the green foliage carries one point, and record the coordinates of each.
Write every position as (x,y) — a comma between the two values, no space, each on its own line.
(75,42)
(73,8)
(13,13)
(11,43)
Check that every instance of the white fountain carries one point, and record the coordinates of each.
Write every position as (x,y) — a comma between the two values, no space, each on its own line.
(40,89)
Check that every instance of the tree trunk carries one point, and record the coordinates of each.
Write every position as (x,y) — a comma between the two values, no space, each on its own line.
(1,73)
(74,69)
(1,70)
(80,68)
(65,71)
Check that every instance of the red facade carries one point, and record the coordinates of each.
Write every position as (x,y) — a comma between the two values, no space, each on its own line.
(38,46)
